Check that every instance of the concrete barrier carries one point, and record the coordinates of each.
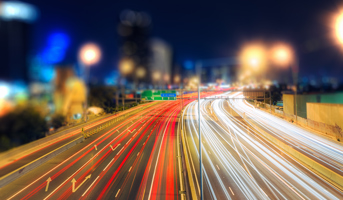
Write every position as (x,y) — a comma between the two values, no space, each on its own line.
(188,167)
(28,167)
(321,170)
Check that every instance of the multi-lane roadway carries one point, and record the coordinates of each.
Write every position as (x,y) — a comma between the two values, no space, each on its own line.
(133,159)
(238,163)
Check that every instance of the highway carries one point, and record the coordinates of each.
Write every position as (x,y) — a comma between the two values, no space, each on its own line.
(240,164)
(20,159)
(325,151)
(133,159)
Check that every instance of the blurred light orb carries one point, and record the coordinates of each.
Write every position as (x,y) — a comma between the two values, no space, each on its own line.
(339,27)
(90,54)
(16,10)
(126,66)
(254,62)
(4,91)
(156,75)
(282,54)
(140,73)
(177,79)
(166,78)
(253,56)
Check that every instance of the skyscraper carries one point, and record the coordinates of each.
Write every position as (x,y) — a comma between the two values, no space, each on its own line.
(15,25)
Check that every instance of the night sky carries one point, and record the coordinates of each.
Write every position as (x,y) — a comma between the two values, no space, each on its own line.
(201,29)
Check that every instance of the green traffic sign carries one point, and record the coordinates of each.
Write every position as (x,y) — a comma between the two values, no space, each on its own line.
(158,95)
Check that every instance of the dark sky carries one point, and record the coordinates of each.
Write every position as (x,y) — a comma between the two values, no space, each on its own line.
(201,29)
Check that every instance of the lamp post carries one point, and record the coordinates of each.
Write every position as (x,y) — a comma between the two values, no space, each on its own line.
(89,54)
(177,80)
(156,76)
(253,59)
(140,73)
(283,55)
(126,66)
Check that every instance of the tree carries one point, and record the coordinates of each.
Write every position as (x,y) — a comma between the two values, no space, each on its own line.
(102,97)
(21,126)
(276,96)
(57,120)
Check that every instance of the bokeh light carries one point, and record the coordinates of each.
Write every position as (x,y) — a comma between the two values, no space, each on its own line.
(253,56)
(282,55)
(126,66)
(89,54)
(339,27)
(140,72)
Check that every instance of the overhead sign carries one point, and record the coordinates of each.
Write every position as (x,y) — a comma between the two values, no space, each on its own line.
(168,95)
(158,95)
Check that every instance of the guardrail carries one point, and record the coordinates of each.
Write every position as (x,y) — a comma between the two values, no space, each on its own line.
(8,178)
(188,165)
(35,163)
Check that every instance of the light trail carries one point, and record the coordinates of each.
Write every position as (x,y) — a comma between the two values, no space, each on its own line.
(249,167)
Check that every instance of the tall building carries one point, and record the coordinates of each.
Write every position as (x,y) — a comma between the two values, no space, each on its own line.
(134,29)
(15,25)
(160,62)
(224,70)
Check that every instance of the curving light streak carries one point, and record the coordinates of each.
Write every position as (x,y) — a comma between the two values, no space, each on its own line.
(252,168)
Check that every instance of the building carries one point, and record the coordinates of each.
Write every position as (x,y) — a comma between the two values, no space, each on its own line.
(70,94)
(219,70)
(160,62)
(134,31)
(16,19)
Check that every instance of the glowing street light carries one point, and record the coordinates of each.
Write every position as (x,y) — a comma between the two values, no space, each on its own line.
(339,27)
(253,56)
(89,54)
(282,55)
(177,79)
(126,66)
(166,78)
(140,72)
(156,76)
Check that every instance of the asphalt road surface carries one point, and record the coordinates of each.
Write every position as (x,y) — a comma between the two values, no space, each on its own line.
(240,164)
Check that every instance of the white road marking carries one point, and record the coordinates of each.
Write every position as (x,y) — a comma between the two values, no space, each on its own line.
(232,192)
(108,164)
(120,150)
(117,193)
(90,186)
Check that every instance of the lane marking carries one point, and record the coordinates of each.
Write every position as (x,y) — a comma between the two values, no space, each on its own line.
(130,169)
(218,167)
(120,150)
(232,192)
(117,193)
(90,186)
(108,164)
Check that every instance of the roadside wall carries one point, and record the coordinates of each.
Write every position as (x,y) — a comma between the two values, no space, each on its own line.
(288,104)
(303,99)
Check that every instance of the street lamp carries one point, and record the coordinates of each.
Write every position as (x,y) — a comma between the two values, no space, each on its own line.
(140,73)
(89,54)
(283,55)
(339,27)
(253,58)
(126,66)
(156,76)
